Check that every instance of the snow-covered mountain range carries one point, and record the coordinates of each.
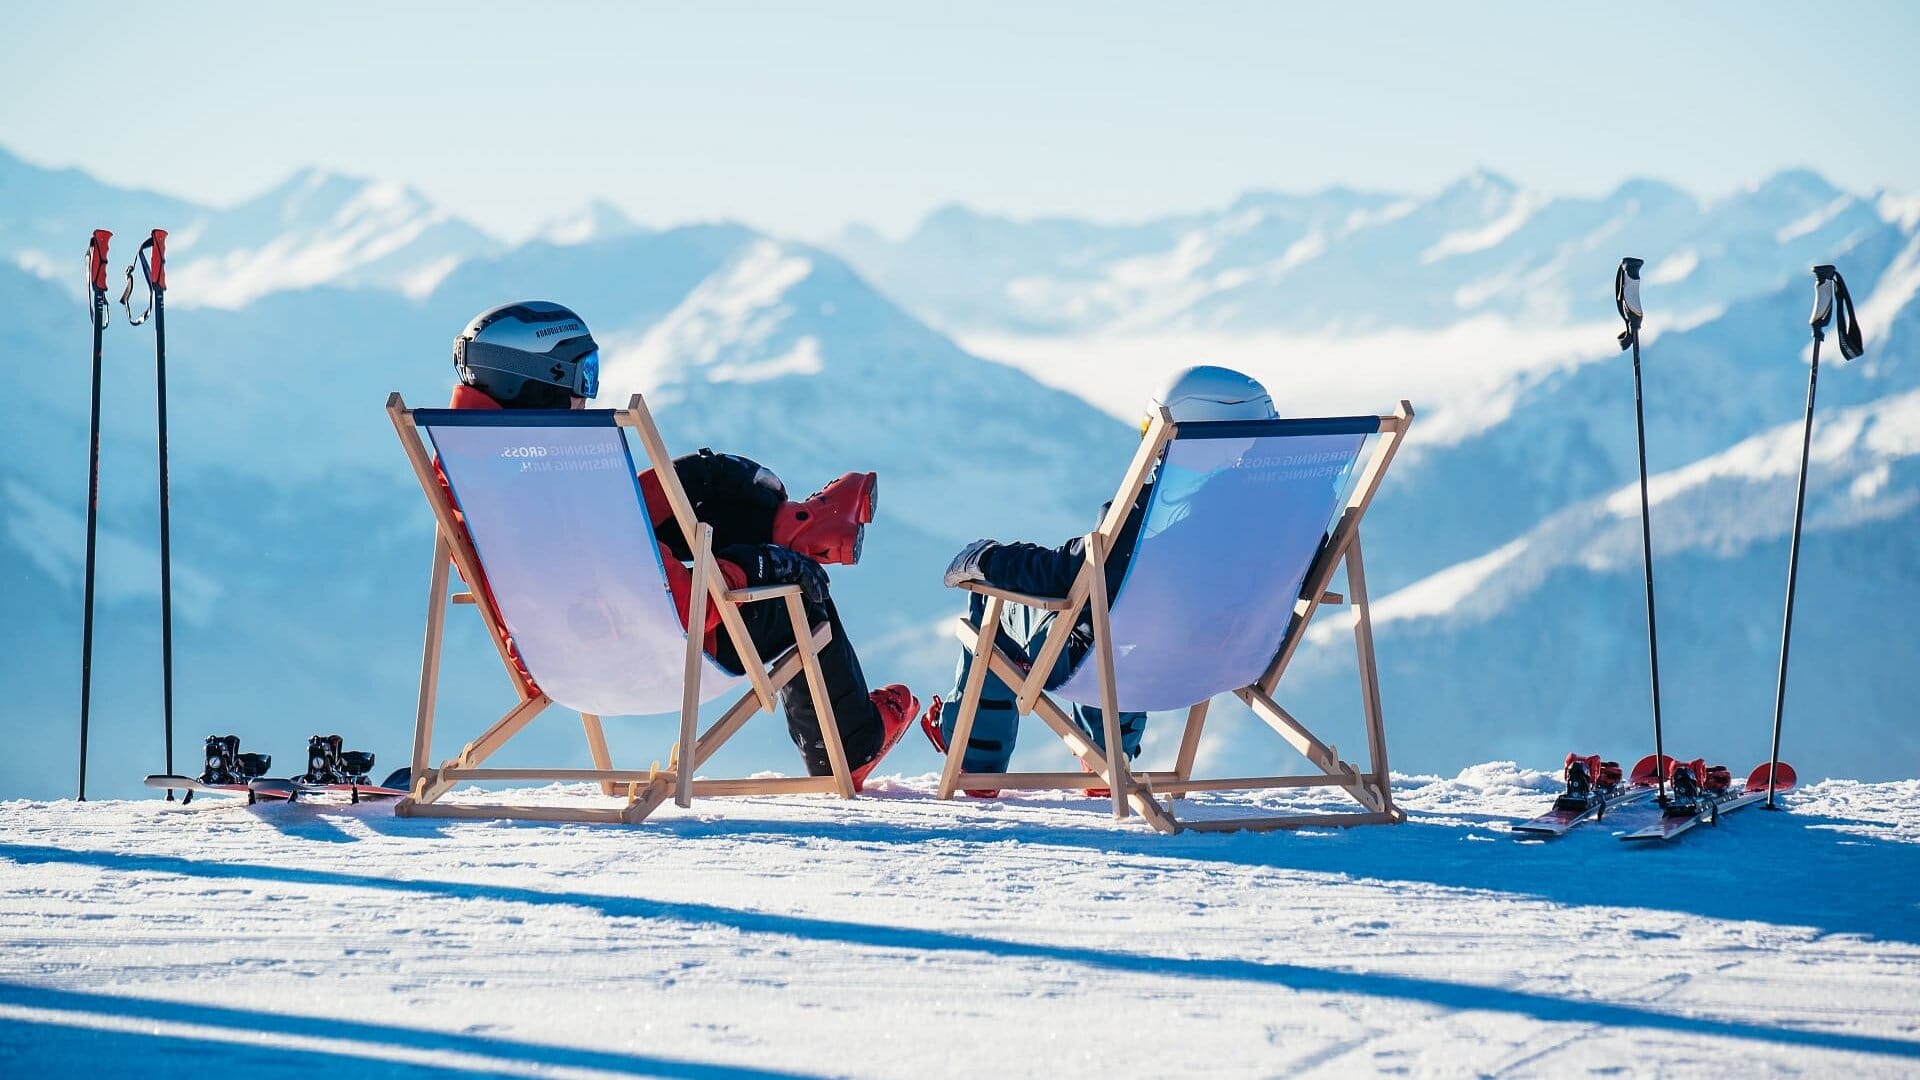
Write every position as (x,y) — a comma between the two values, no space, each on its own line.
(1503,551)
(1360,260)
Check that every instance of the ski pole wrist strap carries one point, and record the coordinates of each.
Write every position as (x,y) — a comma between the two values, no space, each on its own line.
(1831,299)
(153,273)
(1626,299)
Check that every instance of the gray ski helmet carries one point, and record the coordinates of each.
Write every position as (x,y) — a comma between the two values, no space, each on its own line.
(533,354)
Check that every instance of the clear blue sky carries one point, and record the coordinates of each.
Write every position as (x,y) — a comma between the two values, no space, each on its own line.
(801,117)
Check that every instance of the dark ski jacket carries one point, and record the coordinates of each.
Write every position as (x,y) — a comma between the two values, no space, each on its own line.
(1038,570)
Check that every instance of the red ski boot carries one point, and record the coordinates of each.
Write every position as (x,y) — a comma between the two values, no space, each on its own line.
(930,724)
(897,706)
(829,525)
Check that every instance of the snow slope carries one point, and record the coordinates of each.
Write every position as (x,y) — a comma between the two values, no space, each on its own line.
(897,936)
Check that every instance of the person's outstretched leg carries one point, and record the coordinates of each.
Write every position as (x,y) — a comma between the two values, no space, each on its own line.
(858,719)
(1133,727)
(996,723)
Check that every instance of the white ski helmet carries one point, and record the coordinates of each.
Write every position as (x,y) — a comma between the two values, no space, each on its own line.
(1205,392)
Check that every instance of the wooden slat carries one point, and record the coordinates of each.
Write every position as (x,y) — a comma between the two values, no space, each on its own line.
(430,655)
(1250,783)
(1051,781)
(597,746)
(619,777)
(1090,757)
(761,592)
(1163,782)
(640,420)
(730,721)
(1321,755)
(1394,430)
(696,660)
(481,748)
(822,704)
(1040,603)
(465,557)
(1109,692)
(1160,430)
(1369,676)
(1028,691)
(461,598)
(770,785)
(1190,739)
(500,811)
(1287,821)
(984,637)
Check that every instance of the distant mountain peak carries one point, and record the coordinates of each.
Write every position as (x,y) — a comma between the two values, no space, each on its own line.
(599,219)
(1482,180)
(1798,183)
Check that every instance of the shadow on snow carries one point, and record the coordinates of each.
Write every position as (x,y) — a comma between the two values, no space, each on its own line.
(1435,992)
(53,1047)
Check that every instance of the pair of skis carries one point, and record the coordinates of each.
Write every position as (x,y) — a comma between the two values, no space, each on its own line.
(1694,801)
(1698,795)
(1594,788)
(154,272)
(331,769)
(1830,296)
(284,789)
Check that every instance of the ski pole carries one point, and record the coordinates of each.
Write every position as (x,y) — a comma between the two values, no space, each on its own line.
(97,282)
(1626,298)
(1828,286)
(155,275)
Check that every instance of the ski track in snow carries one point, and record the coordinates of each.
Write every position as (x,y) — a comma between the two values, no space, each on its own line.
(899,936)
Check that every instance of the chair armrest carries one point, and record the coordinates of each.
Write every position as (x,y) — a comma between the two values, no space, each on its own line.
(1043,603)
(763,592)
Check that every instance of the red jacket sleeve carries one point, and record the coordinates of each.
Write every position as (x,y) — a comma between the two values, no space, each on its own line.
(680,580)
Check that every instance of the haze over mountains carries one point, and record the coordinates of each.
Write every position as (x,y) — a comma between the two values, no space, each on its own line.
(989,368)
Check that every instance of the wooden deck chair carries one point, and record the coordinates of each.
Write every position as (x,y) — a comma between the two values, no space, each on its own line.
(555,525)
(1245,527)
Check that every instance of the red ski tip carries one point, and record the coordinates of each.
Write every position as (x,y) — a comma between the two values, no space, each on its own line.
(1783,780)
(1647,772)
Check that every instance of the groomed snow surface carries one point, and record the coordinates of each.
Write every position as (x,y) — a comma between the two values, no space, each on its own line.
(899,936)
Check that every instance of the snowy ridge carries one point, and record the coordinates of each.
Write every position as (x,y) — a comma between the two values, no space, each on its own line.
(1862,469)
(322,229)
(747,937)
(1364,260)
(723,328)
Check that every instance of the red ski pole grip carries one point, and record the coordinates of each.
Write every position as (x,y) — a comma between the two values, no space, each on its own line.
(159,277)
(97,260)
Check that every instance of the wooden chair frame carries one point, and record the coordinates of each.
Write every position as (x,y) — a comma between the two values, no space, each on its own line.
(1140,791)
(645,789)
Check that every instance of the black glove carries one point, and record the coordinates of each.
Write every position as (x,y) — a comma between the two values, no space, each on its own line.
(771,564)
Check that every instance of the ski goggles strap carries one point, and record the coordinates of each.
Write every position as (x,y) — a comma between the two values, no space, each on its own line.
(1830,295)
(1626,299)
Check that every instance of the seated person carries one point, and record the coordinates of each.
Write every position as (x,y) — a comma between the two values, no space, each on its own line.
(540,355)
(1198,393)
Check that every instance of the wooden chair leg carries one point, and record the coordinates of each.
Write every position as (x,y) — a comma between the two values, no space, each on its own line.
(430,660)
(985,637)
(1117,778)
(1190,740)
(822,704)
(695,660)
(1369,677)
(597,746)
